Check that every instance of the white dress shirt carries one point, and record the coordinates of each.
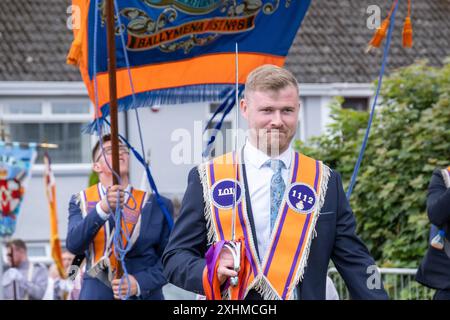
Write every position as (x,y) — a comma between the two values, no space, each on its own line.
(259,178)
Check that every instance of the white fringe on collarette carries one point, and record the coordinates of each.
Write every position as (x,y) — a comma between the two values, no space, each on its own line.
(262,285)
(210,224)
(212,236)
(326,172)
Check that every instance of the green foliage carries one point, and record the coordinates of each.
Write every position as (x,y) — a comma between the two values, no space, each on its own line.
(93,178)
(410,137)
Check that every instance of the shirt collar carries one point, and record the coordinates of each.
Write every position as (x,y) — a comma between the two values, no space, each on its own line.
(257,158)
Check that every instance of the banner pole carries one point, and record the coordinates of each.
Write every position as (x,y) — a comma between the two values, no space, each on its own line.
(113,100)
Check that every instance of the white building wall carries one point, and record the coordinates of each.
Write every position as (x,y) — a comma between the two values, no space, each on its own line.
(162,132)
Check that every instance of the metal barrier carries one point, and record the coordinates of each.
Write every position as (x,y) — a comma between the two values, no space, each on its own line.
(399,283)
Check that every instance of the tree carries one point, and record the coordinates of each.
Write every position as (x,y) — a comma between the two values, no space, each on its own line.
(410,137)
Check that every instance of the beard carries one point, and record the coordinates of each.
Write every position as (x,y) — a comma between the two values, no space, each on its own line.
(273,142)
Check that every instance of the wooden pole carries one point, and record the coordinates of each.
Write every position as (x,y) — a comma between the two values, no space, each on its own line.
(112,88)
(113,99)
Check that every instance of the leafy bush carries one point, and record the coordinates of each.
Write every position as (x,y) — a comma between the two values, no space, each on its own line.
(410,137)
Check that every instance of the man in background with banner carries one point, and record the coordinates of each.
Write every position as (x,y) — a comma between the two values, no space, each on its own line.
(92,225)
(292,215)
(23,280)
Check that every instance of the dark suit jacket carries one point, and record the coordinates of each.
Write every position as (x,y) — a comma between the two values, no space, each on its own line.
(184,260)
(434,271)
(143,261)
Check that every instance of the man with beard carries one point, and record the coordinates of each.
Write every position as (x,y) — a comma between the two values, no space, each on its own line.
(292,215)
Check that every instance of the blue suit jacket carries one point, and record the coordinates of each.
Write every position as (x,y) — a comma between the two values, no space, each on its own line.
(434,271)
(144,259)
(336,239)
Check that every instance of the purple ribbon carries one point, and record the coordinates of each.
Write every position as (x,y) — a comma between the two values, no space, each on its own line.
(211,256)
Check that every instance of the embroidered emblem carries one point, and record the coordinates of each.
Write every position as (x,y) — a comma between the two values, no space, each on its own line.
(222,193)
(302,198)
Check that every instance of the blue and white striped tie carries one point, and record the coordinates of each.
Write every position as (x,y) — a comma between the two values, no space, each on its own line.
(277,187)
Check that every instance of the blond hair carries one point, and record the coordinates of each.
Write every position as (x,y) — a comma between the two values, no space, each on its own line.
(269,77)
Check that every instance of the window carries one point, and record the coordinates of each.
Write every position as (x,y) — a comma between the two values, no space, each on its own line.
(310,117)
(213,107)
(23,107)
(69,107)
(39,252)
(58,121)
(356,103)
(223,142)
(72,146)
(36,251)
(224,138)
(299,134)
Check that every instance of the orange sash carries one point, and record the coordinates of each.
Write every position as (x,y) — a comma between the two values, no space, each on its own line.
(283,265)
(102,245)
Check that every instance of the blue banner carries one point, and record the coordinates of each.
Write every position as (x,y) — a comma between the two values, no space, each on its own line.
(15,165)
(179,51)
